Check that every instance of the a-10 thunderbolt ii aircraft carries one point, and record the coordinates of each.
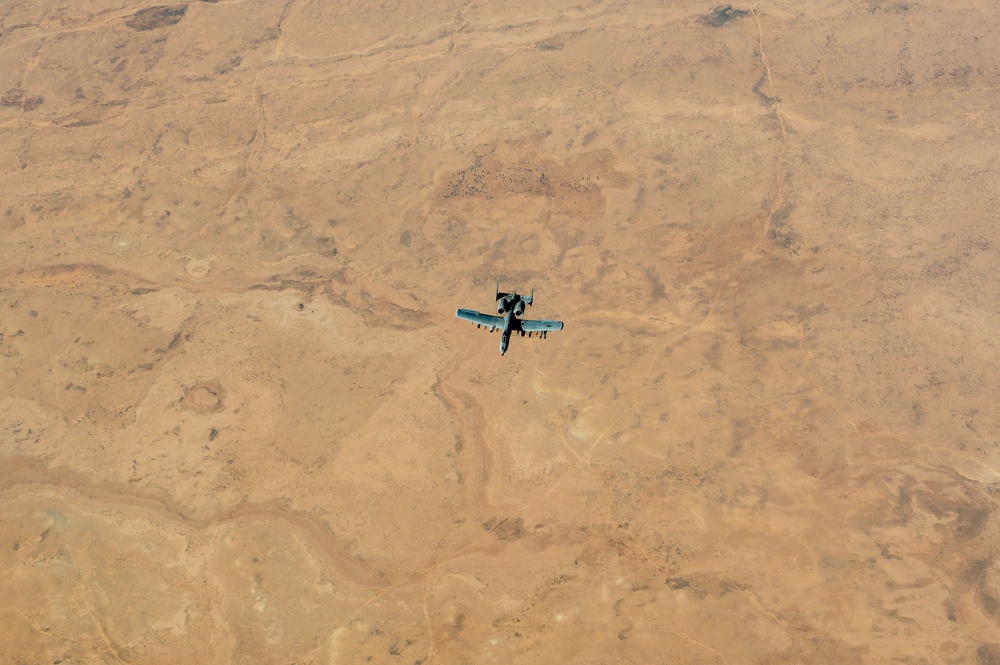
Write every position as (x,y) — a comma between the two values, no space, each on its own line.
(509,306)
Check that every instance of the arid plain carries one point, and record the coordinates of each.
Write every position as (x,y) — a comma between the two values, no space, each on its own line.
(240,423)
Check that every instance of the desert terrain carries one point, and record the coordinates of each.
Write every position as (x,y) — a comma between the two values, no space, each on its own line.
(240,423)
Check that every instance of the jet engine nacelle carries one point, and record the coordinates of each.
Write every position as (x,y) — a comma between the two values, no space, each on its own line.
(504,304)
(519,308)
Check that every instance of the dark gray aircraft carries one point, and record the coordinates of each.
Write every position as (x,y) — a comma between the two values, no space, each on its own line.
(509,306)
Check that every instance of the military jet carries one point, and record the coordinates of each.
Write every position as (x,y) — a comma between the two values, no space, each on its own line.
(509,306)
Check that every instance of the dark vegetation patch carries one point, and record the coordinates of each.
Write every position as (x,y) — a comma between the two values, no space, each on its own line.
(32,103)
(505,529)
(743,431)
(890,7)
(657,288)
(767,100)
(326,246)
(16,97)
(457,626)
(677,583)
(156,17)
(783,238)
(988,654)
(975,573)
(989,602)
(229,65)
(12,97)
(971,521)
(178,337)
(721,15)
(494,180)
(781,215)
(780,232)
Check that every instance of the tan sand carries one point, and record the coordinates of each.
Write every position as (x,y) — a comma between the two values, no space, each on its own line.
(239,422)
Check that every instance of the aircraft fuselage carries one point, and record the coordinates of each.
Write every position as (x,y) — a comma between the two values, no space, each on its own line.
(510,307)
(509,322)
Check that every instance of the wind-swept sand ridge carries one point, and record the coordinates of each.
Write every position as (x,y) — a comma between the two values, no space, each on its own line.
(240,422)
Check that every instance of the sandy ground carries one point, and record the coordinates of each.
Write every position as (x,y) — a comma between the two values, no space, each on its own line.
(239,422)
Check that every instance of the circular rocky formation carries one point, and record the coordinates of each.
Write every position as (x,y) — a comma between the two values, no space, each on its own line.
(205,397)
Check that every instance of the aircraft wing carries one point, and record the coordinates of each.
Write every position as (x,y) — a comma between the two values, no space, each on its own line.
(480,318)
(528,325)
